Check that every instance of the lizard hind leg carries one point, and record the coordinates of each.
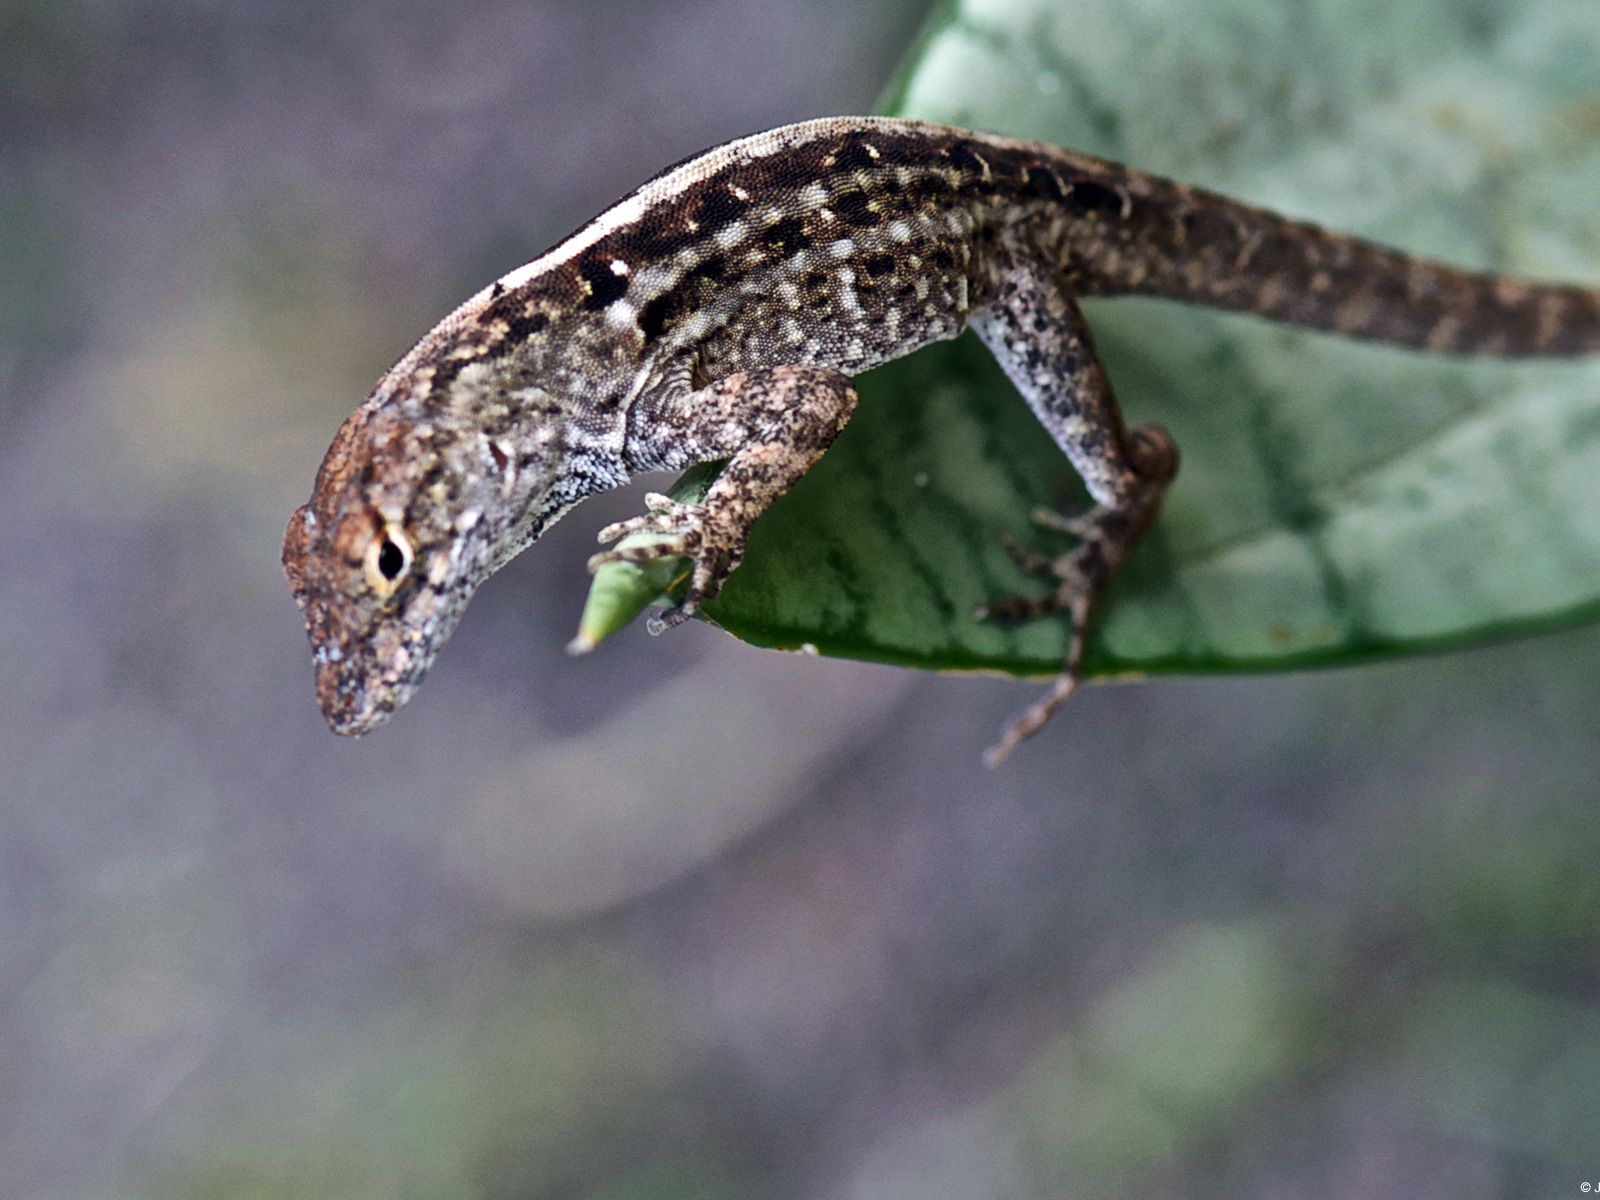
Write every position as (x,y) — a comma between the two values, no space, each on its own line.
(1038,336)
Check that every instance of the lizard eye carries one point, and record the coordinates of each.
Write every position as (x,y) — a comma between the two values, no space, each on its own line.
(388,559)
(391,560)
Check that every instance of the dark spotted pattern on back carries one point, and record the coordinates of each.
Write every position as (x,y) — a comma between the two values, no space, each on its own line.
(605,285)
(788,235)
(857,209)
(1111,229)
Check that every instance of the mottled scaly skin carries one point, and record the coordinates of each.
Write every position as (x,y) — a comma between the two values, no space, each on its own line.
(719,311)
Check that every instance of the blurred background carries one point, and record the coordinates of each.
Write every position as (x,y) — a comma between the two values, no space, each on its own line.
(681,918)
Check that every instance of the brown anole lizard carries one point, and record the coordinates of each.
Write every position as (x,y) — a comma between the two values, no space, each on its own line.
(719,311)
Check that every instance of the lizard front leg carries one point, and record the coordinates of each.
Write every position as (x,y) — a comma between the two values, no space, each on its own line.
(770,424)
(1035,331)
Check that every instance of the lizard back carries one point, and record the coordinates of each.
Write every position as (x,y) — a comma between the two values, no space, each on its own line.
(851,241)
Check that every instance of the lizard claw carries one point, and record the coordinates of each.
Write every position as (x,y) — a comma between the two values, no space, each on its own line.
(1079,525)
(658,623)
(664,516)
(711,540)
(1028,560)
(1075,590)
(644,552)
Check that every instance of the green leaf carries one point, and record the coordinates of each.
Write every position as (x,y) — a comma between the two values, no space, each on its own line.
(1336,500)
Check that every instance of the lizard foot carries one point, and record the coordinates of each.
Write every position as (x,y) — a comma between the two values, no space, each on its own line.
(1081,575)
(1082,526)
(711,537)
(1105,534)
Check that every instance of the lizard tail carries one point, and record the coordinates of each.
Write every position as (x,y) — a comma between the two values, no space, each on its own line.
(1198,247)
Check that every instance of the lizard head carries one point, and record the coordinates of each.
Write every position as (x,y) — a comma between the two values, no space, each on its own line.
(413,508)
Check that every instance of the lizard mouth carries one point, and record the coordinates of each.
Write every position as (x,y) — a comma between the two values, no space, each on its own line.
(351,710)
